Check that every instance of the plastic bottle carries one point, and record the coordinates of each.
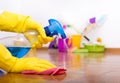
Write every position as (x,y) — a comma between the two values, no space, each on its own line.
(32,37)
(20,47)
(17,44)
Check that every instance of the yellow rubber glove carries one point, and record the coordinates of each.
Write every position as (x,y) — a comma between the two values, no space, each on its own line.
(10,63)
(13,22)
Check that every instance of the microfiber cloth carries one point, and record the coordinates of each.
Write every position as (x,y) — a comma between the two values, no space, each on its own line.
(53,71)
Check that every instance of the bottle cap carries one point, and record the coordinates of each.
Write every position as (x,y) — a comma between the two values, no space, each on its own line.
(47,31)
(50,33)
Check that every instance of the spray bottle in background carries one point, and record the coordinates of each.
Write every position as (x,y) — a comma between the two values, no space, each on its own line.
(55,28)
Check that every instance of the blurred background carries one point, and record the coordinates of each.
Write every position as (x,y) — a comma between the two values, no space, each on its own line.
(75,13)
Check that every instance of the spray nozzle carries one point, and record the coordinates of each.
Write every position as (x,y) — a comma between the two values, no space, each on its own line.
(54,28)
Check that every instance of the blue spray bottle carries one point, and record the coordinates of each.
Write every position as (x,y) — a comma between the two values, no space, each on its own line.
(54,28)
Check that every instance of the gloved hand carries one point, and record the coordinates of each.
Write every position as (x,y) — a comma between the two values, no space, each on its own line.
(13,22)
(10,63)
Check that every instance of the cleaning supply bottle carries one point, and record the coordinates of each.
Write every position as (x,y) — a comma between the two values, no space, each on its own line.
(32,37)
(20,46)
(17,45)
(54,28)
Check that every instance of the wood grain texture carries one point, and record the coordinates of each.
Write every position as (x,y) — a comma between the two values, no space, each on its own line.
(81,68)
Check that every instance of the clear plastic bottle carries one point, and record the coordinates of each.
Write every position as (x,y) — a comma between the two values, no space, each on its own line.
(32,37)
(16,43)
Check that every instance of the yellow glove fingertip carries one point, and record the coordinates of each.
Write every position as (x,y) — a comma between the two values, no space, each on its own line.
(33,46)
(50,39)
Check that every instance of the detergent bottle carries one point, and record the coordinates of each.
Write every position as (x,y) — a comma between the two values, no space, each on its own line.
(55,28)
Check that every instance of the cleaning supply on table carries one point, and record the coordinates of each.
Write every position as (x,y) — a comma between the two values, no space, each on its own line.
(76,40)
(55,28)
(90,25)
(93,24)
(94,47)
(53,44)
(10,63)
(62,46)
